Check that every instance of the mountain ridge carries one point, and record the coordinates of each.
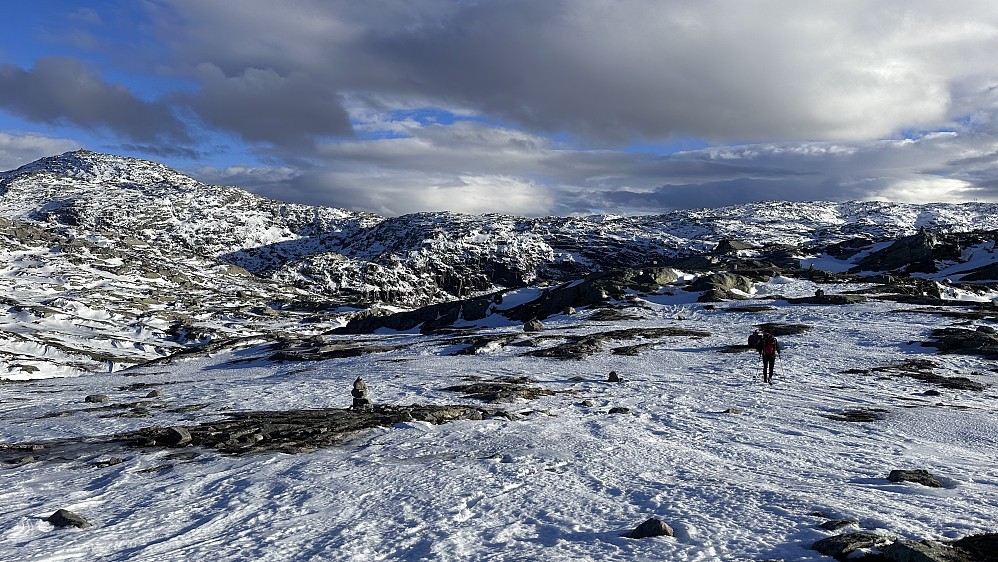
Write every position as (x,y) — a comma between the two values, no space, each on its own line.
(420,258)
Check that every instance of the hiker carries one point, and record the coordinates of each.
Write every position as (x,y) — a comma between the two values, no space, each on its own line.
(769,349)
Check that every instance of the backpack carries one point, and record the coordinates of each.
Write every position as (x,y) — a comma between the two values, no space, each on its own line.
(769,345)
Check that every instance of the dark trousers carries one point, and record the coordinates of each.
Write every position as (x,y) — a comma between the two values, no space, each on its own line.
(768,363)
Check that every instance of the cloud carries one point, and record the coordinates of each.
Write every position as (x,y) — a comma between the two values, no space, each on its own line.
(474,167)
(60,90)
(609,73)
(261,105)
(17,150)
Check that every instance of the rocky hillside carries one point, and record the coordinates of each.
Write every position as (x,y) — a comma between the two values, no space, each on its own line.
(423,258)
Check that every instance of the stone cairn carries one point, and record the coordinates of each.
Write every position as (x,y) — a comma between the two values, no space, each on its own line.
(360,399)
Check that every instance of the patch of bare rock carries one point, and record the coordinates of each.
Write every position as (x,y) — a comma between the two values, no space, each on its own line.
(297,431)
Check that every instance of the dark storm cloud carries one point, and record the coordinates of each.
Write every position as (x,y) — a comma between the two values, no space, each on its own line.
(61,90)
(261,105)
(613,72)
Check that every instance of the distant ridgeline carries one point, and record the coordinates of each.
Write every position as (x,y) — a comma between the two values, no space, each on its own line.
(145,209)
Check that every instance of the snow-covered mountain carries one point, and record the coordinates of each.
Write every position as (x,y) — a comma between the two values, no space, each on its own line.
(422,258)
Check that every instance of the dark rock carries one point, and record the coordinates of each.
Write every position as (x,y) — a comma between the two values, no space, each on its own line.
(718,287)
(302,431)
(749,309)
(964,342)
(97,398)
(534,325)
(917,476)
(108,462)
(732,411)
(653,527)
(580,347)
(841,546)
(931,392)
(923,551)
(984,273)
(830,299)
(778,329)
(836,524)
(501,390)
(154,394)
(586,403)
(620,410)
(66,518)
(910,253)
(611,315)
(596,289)
(475,344)
(427,318)
(613,377)
(732,246)
(177,436)
(979,548)
(921,370)
(858,416)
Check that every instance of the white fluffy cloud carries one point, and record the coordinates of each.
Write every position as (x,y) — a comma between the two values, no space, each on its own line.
(19,149)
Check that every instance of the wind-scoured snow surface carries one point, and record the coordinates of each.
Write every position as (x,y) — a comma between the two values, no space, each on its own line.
(562,483)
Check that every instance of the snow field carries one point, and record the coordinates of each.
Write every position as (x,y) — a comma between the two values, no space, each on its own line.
(562,483)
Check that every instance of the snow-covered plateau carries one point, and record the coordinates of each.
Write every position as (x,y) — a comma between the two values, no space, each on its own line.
(117,328)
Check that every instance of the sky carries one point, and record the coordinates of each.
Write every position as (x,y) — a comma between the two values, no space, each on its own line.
(560,107)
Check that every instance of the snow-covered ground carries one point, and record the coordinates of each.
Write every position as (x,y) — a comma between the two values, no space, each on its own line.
(562,483)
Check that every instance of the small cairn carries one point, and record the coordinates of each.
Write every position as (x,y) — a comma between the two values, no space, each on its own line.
(360,399)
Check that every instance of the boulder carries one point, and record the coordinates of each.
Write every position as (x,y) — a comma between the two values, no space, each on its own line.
(97,398)
(154,394)
(653,527)
(534,325)
(917,476)
(176,436)
(719,286)
(66,518)
(841,546)
(924,551)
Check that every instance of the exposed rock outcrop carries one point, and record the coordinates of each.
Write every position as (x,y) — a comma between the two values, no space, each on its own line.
(596,289)
(918,476)
(66,518)
(718,287)
(841,546)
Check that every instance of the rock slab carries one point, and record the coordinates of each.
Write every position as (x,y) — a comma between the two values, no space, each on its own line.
(919,476)
(841,546)
(66,518)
